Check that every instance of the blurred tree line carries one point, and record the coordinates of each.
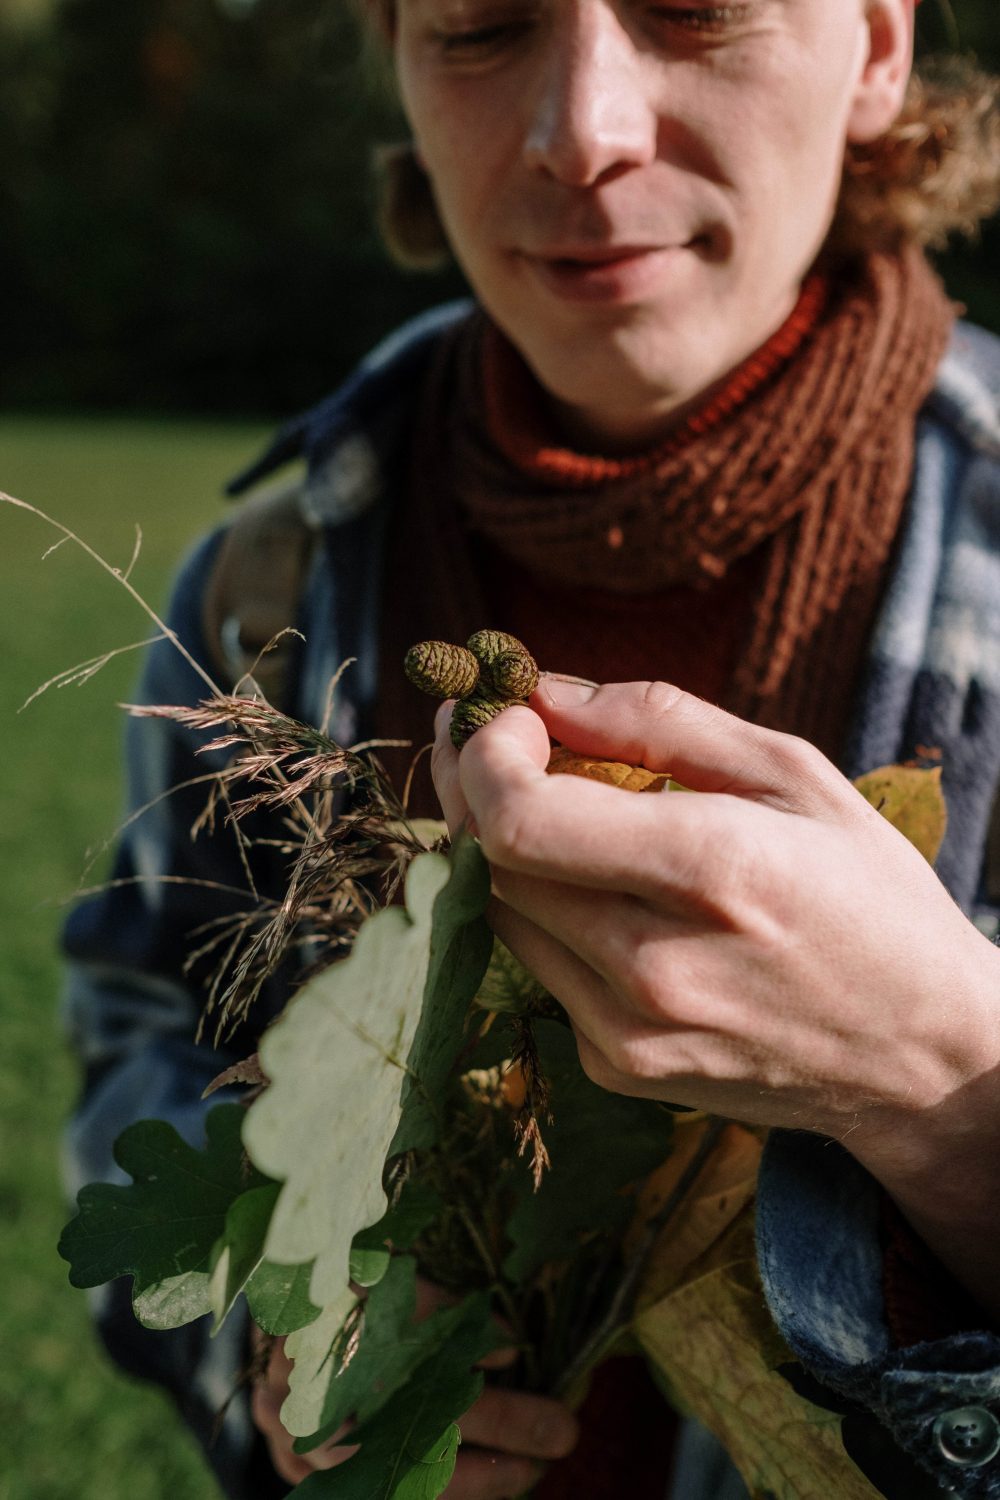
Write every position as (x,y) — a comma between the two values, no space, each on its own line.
(186,206)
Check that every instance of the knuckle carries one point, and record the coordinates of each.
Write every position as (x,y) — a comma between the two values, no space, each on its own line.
(629,1056)
(507,837)
(660,699)
(800,761)
(646,986)
(595,1064)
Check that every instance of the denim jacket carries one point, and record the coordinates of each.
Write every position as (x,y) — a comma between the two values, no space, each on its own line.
(924,1418)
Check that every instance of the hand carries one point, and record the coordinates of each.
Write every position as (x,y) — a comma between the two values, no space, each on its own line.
(771,950)
(506,1436)
(266,1400)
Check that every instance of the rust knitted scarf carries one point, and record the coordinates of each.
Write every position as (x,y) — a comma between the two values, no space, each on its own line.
(805,460)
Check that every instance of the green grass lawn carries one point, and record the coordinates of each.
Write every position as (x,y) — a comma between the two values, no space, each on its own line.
(72,1427)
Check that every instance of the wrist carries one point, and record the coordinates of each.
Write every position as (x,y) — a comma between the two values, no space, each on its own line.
(935,1152)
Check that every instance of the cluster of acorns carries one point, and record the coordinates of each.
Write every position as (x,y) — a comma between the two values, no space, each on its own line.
(489,673)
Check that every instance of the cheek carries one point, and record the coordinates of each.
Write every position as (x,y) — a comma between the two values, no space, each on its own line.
(783,156)
(461,159)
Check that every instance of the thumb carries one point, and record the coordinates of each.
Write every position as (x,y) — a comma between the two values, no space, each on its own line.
(660,727)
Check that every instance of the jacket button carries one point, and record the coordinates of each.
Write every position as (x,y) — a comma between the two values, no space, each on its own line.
(968,1436)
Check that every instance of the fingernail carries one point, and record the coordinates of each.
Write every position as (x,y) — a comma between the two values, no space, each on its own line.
(565,692)
(442,717)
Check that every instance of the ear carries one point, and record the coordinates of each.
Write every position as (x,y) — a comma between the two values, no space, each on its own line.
(881,87)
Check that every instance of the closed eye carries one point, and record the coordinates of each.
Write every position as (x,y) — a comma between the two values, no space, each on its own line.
(707,18)
(480,41)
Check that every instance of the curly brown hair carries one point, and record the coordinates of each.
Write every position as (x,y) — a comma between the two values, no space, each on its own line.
(934,175)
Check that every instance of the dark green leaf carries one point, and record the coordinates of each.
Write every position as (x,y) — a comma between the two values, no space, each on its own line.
(600,1145)
(278,1297)
(241,1249)
(461,944)
(162,1228)
(370,1254)
(393,1348)
(408,1446)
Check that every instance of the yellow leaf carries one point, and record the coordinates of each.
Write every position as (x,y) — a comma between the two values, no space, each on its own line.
(715,1350)
(911,799)
(725,1185)
(563,762)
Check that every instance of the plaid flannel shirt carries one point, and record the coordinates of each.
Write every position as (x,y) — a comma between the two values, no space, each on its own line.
(932,679)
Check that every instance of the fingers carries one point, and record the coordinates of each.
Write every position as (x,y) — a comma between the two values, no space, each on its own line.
(444,769)
(584,985)
(511,1436)
(500,1359)
(656,725)
(620,1035)
(517,1423)
(266,1400)
(491,1476)
(582,832)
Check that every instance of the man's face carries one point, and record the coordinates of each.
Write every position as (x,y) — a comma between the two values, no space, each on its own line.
(634,188)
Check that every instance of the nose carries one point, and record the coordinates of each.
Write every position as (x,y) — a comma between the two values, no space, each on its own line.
(590,117)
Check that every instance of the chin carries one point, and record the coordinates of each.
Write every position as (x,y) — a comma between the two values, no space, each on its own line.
(633,387)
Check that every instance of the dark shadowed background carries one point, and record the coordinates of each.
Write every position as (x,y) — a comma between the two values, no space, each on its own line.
(185,205)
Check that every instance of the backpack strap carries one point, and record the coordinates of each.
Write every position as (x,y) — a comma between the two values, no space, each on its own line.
(254,589)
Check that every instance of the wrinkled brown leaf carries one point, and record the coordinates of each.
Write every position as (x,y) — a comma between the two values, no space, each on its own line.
(563,762)
(247,1071)
(713,1344)
(722,1190)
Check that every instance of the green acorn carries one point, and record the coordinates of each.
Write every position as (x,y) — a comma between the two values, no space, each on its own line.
(514,674)
(443,670)
(471,713)
(487,675)
(485,645)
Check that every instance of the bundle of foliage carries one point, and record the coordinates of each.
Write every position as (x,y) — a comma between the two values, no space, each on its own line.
(419,1109)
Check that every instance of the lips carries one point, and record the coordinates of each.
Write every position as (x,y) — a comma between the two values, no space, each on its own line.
(612,274)
(596,255)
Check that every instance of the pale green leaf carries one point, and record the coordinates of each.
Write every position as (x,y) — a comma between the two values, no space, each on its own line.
(391,1350)
(173,1302)
(408,1447)
(337,1060)
(336,1063)
(311,1349)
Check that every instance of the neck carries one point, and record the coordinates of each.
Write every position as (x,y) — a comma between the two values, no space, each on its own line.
(678,419)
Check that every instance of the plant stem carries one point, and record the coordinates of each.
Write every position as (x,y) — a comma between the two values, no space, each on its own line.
(119,577)
(619,1313)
